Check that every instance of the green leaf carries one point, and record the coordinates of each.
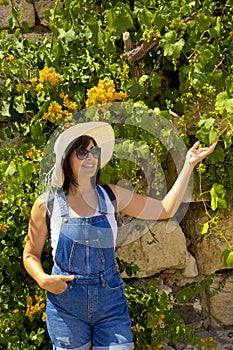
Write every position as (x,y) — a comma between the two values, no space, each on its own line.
(135,90)
(171,46)
(19,104)
(11,23)
(156,80)
(221,102)
(144,16)
(230,259)
(217,156)
(17,33)
(10,171)
(227,140)
(212,135)
(198,77)
(67,36)
(229,106)
(38,137)
(207,122)
(25,26)
(218,193)
(95,33)
(5,109)
(26,170)
(119,19)
(216,29)
(224,256)
(16,12)
(205,228)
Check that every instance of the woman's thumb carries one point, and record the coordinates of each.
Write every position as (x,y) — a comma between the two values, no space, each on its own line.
(67,278)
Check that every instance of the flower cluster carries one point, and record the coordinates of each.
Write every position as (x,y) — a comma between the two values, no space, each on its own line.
(3,227)
(67,103)
(39,306)
(56,112)
(33,154)
(46,75)
(19,87)
(104,92)
(10,59)
(209,342)
(49,74)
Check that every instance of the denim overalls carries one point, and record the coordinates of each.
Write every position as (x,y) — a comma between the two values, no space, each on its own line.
(93,310)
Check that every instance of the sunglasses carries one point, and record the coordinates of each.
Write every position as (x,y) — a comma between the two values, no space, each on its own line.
(83,153)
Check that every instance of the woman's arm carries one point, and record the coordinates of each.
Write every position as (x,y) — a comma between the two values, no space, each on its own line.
(148,208)
(37,235)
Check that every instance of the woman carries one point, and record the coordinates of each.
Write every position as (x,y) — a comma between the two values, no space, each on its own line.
(86,305)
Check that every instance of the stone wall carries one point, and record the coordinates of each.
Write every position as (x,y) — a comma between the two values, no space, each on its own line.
(179,254)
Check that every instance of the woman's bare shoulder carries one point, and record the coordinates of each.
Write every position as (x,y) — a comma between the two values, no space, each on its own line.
(40,203)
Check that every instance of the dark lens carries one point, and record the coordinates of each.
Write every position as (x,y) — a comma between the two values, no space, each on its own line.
(95,151)
(81,153)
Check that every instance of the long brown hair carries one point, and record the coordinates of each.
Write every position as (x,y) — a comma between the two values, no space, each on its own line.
(82,141)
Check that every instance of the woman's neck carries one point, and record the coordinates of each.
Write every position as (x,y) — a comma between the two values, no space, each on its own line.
(81,189)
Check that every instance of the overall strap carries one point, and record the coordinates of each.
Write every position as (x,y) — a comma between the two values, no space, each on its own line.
(101,200)
(64,210)
(111,195)
(49,209)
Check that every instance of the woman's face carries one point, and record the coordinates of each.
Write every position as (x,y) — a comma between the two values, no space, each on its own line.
(87,167)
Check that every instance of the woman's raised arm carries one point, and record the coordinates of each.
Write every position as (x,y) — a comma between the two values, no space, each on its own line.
(149,208)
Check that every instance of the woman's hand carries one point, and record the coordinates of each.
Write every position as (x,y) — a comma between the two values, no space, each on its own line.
(196,154)
(56,284)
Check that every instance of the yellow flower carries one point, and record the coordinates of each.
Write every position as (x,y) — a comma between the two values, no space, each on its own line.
(29,301)
(33,80)
(36,308)
(211,339)
(72,106)
(39,87)
(45,116)
(43,317)
(15,312)
(3,228)
(160,346)
(162,316)
(19,87)
(10,59)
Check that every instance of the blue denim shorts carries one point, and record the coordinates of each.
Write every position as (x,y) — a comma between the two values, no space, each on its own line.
(91,312)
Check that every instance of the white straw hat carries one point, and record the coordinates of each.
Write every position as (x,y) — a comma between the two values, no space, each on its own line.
(101,132)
